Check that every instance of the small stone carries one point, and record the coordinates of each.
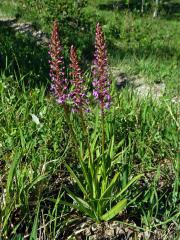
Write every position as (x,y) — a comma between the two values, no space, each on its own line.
(87,232)
(110,232)
(119,231)
(45,39)
(77,232)
(92,237)
(83,225)
(94,227)
(147,234)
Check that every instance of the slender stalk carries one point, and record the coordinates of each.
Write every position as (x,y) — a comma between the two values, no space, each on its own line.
(101,84)
(92,167)
(86,135)
(104,183)
(66,111)
(78,153)
(103,132)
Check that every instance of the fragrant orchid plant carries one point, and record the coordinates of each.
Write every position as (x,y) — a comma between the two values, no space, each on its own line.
(103,195)
(57,74)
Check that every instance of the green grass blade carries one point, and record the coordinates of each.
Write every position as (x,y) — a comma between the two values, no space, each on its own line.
(11,173)
(115,210)
(33,235)
(111,148)
(129,184)
(77,207)
(82,205)
(76,179)
(36,180)
(106,193)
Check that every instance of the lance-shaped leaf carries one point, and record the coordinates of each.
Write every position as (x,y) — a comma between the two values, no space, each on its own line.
(76,179)
(129,184)
(81,205)
(118,208)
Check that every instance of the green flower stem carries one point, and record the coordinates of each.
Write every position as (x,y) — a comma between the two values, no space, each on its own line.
(103,140)
(92,167)
(78,153)
(86,136)
(104,182)
(66,111)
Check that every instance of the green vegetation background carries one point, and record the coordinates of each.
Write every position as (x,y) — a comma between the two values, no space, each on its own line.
(31,154)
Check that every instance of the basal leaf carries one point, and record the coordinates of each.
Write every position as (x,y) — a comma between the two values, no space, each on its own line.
(106,193)
(129,184)
(33,235)
(82,205)
(115,210)
(11,172)
(111,149)
(76,179)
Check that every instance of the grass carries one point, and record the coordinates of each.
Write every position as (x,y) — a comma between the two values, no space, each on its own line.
(6,11)
(35,142)
(32,154)
(143,46)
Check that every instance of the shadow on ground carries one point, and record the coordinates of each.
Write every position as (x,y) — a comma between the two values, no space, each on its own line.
(20,55)
(164,52)
(169,9)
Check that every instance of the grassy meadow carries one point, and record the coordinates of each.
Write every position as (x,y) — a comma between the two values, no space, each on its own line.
(40,172)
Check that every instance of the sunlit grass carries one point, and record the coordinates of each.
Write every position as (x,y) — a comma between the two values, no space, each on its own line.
(35,140)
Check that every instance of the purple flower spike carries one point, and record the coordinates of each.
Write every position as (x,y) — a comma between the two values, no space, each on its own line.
(78,93)
(59,82)
(101,82)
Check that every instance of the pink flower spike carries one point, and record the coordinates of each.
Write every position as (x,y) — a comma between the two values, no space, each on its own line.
(101,82)
(59,82)
(78,93)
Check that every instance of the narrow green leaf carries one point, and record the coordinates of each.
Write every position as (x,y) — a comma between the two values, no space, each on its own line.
(36,180)
(81,150)
(23,141)
(78,199)
(33,235)
(120,143)
(11,173)
(124,177)
(86,175)
(17,226)
(106,193)
(129,184)
(93,144)
(8,212)
(76,179)
(17,237)
(115,210)
(134,199)
(77,207)
(111,149)
(57,202)
(83,205)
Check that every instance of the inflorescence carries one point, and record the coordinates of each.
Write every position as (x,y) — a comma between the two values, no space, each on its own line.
(78,93)
(57,69)
(101,81)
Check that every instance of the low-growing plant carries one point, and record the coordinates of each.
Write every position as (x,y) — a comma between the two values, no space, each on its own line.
(21,186)
(104,193)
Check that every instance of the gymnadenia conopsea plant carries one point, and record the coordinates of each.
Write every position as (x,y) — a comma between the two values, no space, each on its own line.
(101,195)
